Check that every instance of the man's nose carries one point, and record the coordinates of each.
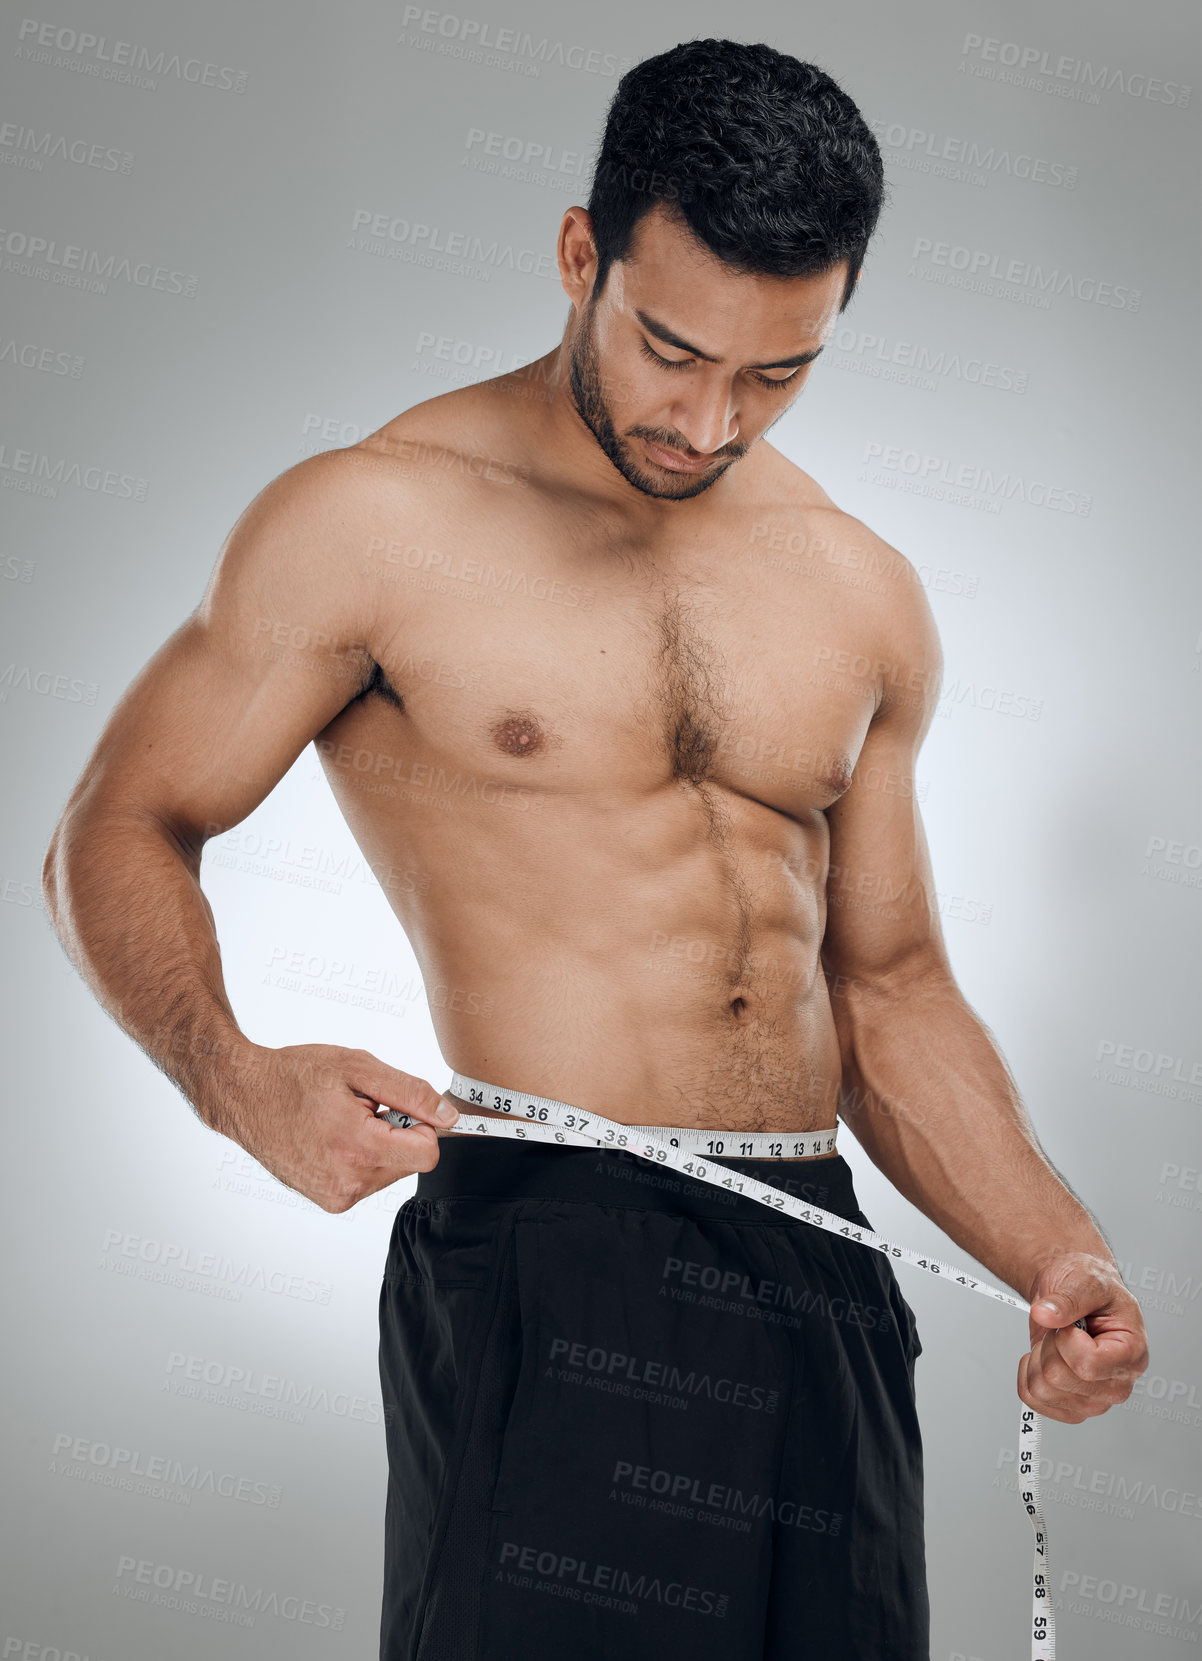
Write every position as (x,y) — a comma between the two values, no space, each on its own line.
(705,420)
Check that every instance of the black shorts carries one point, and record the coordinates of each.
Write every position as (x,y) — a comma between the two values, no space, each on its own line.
(633,1416)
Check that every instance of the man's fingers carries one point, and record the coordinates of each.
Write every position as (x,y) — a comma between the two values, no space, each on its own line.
(400,1091)
(384,1151)
(415,1149)
(412,1149)
(1114,1352)
(1073,1415)
(1049,1369)
(1074,1287)
(1088,1344)
(1070,1407)
(1072,1358)
(1059,1374)
(379,1156)
(1049,1384)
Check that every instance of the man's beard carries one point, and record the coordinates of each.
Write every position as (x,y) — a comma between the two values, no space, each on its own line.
(585,380)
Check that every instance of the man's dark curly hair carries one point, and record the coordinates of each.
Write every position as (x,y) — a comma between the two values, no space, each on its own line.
(766,159)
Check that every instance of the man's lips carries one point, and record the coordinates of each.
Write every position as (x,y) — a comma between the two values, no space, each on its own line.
(674,459)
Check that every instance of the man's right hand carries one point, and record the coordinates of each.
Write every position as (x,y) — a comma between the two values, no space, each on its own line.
(307,1113)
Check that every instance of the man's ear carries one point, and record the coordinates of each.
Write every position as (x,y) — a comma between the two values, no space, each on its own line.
(576,254)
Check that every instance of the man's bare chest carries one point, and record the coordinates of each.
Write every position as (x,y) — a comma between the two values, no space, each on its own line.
(570,670)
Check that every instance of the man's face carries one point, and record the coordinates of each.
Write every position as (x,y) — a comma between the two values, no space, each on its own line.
(680,360)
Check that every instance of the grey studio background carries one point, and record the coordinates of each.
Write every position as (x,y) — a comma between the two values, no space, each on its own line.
(1010,400)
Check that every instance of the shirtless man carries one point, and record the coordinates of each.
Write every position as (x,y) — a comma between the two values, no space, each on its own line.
(650,818)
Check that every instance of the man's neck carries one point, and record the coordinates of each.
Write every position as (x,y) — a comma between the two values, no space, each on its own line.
(563,446)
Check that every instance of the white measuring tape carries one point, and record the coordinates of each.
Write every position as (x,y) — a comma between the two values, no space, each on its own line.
(542,1119)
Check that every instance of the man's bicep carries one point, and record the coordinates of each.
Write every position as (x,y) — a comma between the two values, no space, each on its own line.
(882,914)
(275,650)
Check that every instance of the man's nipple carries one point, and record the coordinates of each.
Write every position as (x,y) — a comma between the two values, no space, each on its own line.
(518,735)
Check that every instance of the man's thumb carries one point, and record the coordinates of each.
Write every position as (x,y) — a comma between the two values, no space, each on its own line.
(1060,1308)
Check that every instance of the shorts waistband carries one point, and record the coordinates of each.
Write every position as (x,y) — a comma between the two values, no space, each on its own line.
(483,1168)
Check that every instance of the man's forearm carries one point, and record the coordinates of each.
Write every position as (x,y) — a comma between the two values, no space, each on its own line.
(125,898)
(929,1096)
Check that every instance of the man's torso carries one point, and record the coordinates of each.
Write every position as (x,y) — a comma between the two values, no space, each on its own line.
(599,806)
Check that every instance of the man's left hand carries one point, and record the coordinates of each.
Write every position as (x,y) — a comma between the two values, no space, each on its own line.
(1073,1371)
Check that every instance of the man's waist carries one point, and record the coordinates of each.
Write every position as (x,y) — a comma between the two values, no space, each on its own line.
(477,1097)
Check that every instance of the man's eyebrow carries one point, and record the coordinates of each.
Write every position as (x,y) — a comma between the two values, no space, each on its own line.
(670,338)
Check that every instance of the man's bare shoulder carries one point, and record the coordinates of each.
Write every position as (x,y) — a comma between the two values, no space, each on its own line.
(782,478)
(908,664)
(319,534)
(320,519)
(305,525)
(880,592)
(801,518)
(460,435)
